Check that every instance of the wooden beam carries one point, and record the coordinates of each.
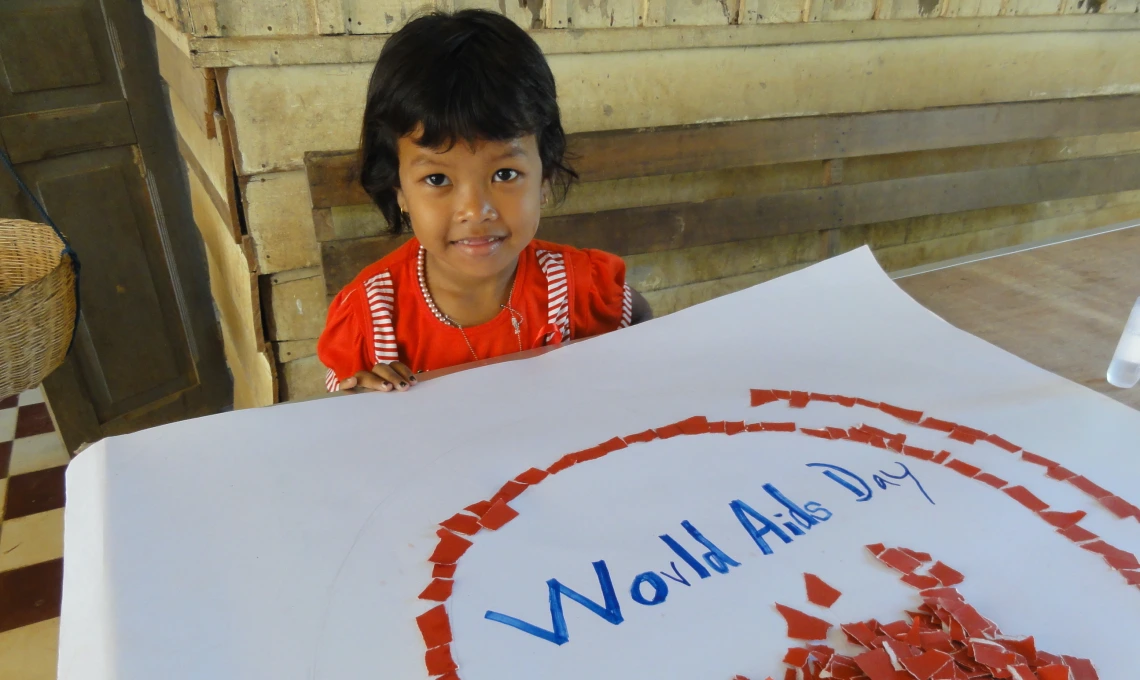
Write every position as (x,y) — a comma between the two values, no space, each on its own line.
(333,176)
(753,32)
(194,87)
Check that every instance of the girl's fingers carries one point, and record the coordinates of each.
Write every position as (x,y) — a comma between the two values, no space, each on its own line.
(391,377)
(348,384)
(372,381)
(404,372)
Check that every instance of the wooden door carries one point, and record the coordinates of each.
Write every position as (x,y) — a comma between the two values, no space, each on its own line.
(83,115)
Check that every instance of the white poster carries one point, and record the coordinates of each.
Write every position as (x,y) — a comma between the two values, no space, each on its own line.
(815,476)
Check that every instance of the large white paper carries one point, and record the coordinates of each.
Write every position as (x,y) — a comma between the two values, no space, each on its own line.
(292,542)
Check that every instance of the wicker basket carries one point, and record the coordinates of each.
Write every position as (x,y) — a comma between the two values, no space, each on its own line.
(37,304)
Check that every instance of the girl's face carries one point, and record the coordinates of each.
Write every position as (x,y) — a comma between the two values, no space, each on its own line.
(474,208)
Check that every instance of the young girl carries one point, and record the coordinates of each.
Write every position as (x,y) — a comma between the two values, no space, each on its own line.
(462,143)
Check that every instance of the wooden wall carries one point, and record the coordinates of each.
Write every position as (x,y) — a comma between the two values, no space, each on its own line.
(717,150)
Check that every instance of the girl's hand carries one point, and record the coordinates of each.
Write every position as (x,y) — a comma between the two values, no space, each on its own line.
(382,378)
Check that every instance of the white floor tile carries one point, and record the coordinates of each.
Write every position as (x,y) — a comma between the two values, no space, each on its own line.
(40,452)
(32,396)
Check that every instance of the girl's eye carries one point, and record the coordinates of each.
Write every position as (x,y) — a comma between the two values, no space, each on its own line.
(505,175)
(436,180)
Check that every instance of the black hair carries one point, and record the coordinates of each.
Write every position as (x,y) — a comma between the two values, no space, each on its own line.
(467,76)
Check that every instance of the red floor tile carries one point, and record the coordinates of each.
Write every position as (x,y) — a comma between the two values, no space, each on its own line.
(34,492)
(30,594)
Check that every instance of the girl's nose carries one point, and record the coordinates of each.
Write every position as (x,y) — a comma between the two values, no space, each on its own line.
(475,205)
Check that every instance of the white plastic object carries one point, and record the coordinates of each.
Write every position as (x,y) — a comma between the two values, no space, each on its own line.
(1124,371)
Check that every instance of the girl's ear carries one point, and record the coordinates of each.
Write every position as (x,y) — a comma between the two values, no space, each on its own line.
(547,189)
(401,200)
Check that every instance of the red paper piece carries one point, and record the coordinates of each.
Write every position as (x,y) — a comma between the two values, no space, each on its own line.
(438,590)
(478,508)
(924,666)
(1078,534)
(796,656)
(869,429)
(865,402)
(1120,507)
(921,582)
(1053,672)
(761,397)
(945,575)
(915,452)
(876,548)
(782,394)
(799,399)
(803,626)
(991,654)
(1060,474)
(1082,668)
(435,626)
(669,431)
(532,476)
(499,514)
(450,548)
(717,426)
(563,463)
(816,396)
(462,523)
(1002,443)
(963,468)
(1037,460)
(822,434)
(1116,558)
(819,592)
(1021,672)
(987,478)
(909,415)
(843,401)
(859,436)
(877,665)
(443,571)
(859,632)
(920,556)
(615,444)
(837,432)
(898,560)
(757,427)
(1026,498)
(509,492)
(641,437)
(895,442)
(940,425)
(941,457)
(962,433)
(583,456)
(1062,520)
(1084,484)
(734,427)
(778,427)
(694,425)
(439,661)
(1132,576)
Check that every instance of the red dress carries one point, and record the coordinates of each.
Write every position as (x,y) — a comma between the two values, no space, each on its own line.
(561,293)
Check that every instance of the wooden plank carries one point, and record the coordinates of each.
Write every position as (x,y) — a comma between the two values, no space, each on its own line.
(769,12)
(894,258)
(578,15)
(302,379)
(354,221)
(667,269)
(260,18)
(901,233)
(202,16)
(331,18)
(665,151)
(210,159)
(371,16)
(692,12)
(168,27)
(640,230)
(343,260)
(46,134)
(233,287)
(291,350)
(296,309)
(763,23)
(280,113)
(842,10)
(669,300)
(278,216)
(909,9)
(193,87)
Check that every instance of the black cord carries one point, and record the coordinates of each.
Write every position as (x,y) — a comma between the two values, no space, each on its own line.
(67,249)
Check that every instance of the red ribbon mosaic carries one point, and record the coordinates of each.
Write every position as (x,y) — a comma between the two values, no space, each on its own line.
(456,532)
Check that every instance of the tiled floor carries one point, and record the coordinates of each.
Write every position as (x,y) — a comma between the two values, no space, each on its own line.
(32,461)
